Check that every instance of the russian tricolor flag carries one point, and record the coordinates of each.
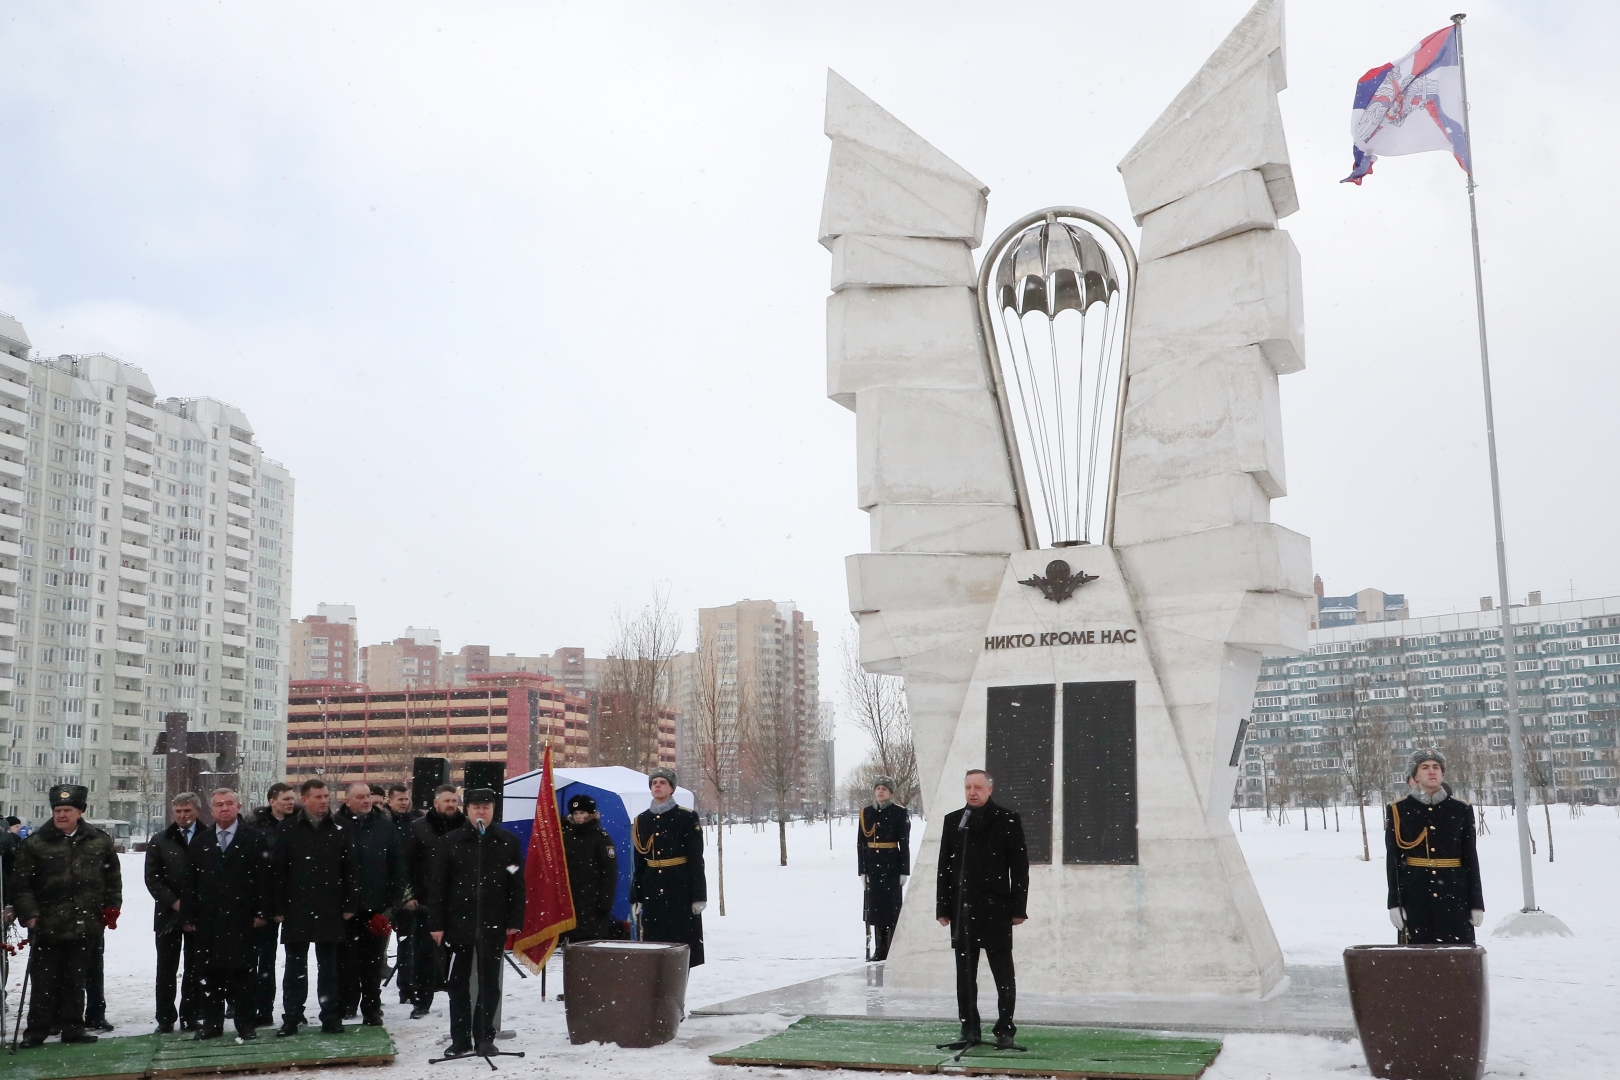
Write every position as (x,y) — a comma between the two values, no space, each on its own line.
(1410,106)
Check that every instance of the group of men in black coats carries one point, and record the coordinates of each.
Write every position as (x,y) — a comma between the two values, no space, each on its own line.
(342,880)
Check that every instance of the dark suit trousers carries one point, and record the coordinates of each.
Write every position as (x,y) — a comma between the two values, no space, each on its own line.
(264,970)
(429,962)
(170,946)
(95,984)
(464,1026)
(967,989)
(58,970)
(328,981)
(216,987)
(364,956)
(404,945)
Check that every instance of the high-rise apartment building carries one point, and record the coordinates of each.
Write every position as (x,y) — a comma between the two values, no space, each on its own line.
(325,646)
(581,674)
(405,663)
(1397,685)
(152,544)
(771,651)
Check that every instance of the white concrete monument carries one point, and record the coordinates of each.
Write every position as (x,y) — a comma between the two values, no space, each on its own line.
(1068,460)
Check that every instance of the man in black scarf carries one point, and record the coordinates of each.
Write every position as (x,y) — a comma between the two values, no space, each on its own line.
(983,892)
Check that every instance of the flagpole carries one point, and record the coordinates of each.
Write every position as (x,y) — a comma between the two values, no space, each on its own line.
(1509,678)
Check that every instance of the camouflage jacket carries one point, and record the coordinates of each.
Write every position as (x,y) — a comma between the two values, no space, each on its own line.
(66,881)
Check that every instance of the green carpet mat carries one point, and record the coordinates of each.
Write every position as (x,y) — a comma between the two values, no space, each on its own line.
(135,1057)
(909,1046)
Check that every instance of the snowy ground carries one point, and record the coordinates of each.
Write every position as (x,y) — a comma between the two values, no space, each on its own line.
(1554,1003)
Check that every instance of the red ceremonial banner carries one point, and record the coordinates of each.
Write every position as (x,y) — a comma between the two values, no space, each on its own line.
(549,910)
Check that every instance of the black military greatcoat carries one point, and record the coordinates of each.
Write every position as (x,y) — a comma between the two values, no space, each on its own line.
(231,889)
(883,857)
(669,877)
(593,879)
(983,882)
(1433,869)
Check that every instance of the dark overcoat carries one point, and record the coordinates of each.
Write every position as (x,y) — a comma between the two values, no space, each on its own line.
(379,855)
(168,876)
(66,882)
(1433,869)
(669,877)
(231,888)
(883,857)
(983,882)
(422,842)
(593,880)
(315,880)
(477,876)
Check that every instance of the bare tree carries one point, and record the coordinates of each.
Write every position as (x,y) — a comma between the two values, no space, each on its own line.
(775,740)
(712,728)
(1538,772)
(1284,782)
(877,704)
(1369,746)
(636,684)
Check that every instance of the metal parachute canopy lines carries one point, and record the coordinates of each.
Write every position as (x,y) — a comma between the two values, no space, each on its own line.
(1045,264)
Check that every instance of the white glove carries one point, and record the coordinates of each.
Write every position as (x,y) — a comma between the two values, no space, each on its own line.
(698,906)
(903,879)
(1397,918)
(1477,917)
(635,911)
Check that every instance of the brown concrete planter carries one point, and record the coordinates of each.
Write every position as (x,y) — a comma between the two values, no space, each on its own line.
(1423,1011)
(631,993)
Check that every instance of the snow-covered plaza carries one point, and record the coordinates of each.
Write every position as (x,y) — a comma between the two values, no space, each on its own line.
(1555,1009)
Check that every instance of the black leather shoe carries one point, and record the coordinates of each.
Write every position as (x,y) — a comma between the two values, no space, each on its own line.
(97,1025)
(373,1018)
(78,1037)
(245,1034)
(459,1049)
(208,1033)
(334,1028)
(29,1042)
(1004,1041)
(420,1011)
(486,1048)
(164,1029)
(288,1027)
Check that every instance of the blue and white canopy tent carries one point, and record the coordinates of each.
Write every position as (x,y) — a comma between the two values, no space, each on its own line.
(620,795)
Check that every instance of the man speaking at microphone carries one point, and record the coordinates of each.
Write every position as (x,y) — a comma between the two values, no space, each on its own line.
(475,903)
(983,892)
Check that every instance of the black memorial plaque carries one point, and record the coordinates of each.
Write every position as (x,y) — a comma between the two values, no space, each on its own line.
(1099,773)
(1018,745)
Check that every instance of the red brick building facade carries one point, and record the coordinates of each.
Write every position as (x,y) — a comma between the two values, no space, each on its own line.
(343,732)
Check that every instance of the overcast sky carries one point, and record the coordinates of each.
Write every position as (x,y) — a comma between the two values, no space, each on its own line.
(528,297)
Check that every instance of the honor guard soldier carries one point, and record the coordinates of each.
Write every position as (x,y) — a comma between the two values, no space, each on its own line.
(883,859)
(1434,891)
(68,891)
(669,891)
